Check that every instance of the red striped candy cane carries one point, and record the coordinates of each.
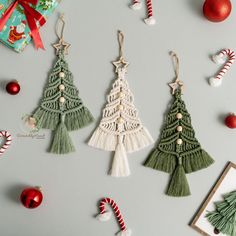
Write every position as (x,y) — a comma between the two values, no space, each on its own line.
(105,215)
(150,20)
(7,143)
(226,56)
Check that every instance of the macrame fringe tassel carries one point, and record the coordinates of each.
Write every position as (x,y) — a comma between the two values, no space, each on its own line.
(120,165)
(46,119)
(78,119)
(132,141)
(126,232)
(73,120)
(178,186)
(138,140)
(103,140)
(196,161)
(61,143)
(162,161)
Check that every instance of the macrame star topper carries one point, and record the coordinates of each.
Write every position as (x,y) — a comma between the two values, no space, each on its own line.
(120,129)
(121,63)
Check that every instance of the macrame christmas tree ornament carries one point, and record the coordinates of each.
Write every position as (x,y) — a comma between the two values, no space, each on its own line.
(106,215)
(178,151)
(136,5)
(120,128)
(61,109)
(223,218)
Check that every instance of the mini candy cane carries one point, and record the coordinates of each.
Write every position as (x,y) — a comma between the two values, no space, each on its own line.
(7,142)
(226,55)
(150,20)
(106,215)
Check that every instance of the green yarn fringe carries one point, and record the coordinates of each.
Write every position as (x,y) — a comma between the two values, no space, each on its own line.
(196,161)
(46,119)
(62,143)
(158,160)
(167,162)
(178,186)
(73,120)
(78,119)
(224,217)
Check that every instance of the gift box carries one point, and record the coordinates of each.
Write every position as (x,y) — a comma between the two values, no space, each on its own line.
(20,21)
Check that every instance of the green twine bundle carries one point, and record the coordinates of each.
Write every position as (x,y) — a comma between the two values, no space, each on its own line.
(223,218)
(178,159)
(59,116)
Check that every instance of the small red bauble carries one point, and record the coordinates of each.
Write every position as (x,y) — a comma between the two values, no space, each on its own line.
(13,87)
(217,10)
(31,197)
(230,121)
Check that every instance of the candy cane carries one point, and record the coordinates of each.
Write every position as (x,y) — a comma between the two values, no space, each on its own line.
(150,20)
(106,215)
(226,55)
(7,142)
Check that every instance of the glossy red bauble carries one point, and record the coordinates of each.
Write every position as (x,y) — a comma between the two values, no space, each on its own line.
(13,87)
(217,10)
(31,197)
(230,121)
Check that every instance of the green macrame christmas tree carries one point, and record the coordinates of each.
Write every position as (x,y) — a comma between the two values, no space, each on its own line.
(61,109)
(178,151)
(223,218)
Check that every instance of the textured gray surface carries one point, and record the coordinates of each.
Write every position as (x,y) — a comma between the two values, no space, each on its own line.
(73,184)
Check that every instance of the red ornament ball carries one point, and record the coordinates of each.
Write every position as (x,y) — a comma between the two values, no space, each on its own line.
(230,121)
(217,10)
(13,87)
(31,197)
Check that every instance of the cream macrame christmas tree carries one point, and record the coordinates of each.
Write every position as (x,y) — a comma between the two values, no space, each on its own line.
(120,129)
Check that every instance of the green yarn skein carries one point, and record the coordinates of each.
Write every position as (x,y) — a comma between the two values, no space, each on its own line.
(61,109)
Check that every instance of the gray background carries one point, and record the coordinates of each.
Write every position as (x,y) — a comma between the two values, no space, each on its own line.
(73,184)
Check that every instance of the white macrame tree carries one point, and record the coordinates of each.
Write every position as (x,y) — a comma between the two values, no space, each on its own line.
(120,128)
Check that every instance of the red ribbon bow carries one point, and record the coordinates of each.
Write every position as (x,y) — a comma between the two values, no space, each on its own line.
(32,16)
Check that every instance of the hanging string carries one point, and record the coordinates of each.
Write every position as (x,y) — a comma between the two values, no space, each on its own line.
(177,83)
(176,65)
(121,44)
(60,34)
(61,46)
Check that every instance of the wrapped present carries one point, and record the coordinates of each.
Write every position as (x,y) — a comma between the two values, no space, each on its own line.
(20,21)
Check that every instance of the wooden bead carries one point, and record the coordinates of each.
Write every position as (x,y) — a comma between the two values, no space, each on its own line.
(121,107)
(179,116)
(179,141)
(62,87)
(120,120)
(179,128)
(62,99)
(61,74)
(121,95)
